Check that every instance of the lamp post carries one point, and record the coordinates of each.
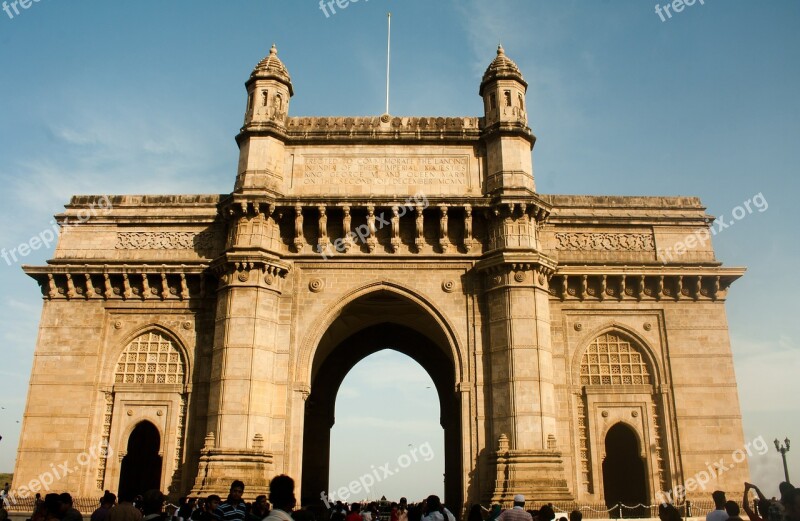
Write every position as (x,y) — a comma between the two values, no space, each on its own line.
(783,450)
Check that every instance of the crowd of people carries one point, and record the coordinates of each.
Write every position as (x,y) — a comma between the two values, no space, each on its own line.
(281,506)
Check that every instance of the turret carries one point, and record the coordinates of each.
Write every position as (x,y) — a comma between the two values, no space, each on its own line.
(508,139)
(262,139)
(268,91)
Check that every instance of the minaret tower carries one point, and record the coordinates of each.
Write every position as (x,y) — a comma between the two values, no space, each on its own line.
(508,139)
(261,140)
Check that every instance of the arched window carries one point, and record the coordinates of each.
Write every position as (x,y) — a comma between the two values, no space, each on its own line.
(612,360)
(151,358)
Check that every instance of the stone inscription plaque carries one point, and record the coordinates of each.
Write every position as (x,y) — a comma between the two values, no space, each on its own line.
(384,171)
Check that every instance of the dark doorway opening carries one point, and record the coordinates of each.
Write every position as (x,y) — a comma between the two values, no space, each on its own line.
(141,466)
(624,473)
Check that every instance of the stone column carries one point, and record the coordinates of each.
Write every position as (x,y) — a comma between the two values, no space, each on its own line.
(244,394)
(522,411)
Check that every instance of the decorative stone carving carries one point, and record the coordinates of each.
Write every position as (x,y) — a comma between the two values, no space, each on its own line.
(580,241)
(448,286)
(316,285)
(202,241)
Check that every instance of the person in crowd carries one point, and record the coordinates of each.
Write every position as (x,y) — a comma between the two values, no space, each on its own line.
(107,502)
(668,512)
(718,514)
(281,495)
(517,512)
(793,505)
(575,515)
(338,512)
(259,509)
(494,513)
(415,513)
(68,512)
(354,514)
(210,511)
(546,513)
(402,510)
(39,512)
(233,508)
(186,507)
(124,510)
(786,489)
(153,506)
(732,509)
(762,503)
(475,513)
(52,505)
(199,509)
(435,511)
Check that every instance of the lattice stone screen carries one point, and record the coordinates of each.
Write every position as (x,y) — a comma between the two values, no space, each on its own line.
(612,360)
(150,358)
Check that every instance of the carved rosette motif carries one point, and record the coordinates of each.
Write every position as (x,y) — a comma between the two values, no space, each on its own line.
(581,241)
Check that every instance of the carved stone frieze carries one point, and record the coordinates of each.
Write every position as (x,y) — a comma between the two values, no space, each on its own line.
(582,241)
(202,241)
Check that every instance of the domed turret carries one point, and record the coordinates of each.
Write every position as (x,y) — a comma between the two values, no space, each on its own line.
(508,139)
(503,90)
(268,91)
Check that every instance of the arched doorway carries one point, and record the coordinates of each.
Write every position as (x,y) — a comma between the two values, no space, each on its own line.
(379,320)
(623,471)
(141,466)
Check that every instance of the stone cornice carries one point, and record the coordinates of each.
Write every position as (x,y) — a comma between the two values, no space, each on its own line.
(640,283)
(123,281)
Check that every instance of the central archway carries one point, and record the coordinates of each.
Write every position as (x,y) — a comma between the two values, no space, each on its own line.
(378,320)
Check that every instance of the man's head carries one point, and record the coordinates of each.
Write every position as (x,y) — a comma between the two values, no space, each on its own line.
(719,499)
(575,515)
(212,502)
(434,503)
(546,513)
(237,489)
(281,493)
(732,508)
(519,501)
(152,502)
(66,501)
(108,499)
(785,489)
(52,503)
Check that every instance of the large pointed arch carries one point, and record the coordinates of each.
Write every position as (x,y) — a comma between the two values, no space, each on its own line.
(303,373)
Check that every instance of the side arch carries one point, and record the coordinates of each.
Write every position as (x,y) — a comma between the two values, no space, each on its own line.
(644,347)
(118,347)
(311,341)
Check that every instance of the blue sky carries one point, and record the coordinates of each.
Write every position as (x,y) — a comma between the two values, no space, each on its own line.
(146,97)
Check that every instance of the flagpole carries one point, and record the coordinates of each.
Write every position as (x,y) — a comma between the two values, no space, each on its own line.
(388,58)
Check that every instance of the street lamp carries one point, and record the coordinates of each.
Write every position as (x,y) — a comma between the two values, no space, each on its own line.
(783,450)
